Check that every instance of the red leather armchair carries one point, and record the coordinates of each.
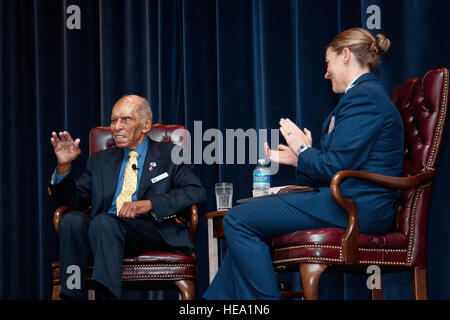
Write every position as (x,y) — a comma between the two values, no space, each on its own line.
(422,103)
(153,270)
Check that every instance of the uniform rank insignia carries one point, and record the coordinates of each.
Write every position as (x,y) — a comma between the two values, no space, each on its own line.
(331,125)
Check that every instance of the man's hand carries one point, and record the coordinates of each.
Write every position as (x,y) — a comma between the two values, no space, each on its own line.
(66,150)
(283,155)
(132,209)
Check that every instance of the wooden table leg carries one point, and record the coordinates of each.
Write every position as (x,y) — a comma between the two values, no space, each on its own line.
(213,251)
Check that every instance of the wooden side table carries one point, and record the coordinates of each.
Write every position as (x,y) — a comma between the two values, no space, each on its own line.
(215,233)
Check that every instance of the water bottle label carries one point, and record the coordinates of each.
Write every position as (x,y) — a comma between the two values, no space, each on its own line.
(261,177)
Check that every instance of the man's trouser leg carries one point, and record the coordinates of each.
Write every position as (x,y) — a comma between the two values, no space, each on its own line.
(74,252)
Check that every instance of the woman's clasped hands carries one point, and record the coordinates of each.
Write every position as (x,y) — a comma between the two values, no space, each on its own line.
(295,137)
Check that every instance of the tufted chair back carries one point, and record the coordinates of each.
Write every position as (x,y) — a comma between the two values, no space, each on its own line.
(422,103)
(100,138)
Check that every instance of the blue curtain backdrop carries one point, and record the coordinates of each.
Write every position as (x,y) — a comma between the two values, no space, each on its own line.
(228,63)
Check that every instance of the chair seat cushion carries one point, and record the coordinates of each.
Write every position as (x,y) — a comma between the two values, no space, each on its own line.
(159,265)
(325,246)
(160,257)
(154,265)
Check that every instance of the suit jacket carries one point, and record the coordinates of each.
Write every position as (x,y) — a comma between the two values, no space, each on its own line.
(169,196)
(367,135)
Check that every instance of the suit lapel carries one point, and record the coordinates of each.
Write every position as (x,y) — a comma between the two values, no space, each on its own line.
(111,176)
(153,155)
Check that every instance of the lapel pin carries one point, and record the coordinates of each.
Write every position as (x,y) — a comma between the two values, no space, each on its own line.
(152,165)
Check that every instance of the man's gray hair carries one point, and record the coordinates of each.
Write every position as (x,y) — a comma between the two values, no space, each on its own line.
(145,111)
(143,106)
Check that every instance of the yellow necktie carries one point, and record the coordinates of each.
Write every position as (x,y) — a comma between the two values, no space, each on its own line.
(129,181)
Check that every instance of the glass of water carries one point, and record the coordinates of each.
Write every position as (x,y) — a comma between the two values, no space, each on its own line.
(224,195)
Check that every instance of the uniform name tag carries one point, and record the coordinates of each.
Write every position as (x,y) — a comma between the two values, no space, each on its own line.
(160,177)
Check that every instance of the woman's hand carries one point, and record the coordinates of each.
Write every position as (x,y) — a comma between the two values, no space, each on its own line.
(283,155)
(293,135)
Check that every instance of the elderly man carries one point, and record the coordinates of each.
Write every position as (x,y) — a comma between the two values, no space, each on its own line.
(134,191)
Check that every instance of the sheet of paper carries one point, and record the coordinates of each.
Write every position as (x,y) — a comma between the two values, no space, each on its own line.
(274,190)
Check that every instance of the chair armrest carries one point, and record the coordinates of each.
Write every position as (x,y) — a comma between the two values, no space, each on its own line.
(193,218)
(350,239)
(59,212)
(194,222)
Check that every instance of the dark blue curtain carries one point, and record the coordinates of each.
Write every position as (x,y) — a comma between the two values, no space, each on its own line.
(228,63)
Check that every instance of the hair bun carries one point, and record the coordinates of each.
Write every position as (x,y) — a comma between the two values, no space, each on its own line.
(380,45)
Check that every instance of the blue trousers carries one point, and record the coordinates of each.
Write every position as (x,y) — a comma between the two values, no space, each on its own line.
(246,272)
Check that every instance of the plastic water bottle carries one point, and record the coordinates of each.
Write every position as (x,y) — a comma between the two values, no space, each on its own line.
(261,179)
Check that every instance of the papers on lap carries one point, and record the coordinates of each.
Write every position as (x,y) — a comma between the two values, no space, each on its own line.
(279,190)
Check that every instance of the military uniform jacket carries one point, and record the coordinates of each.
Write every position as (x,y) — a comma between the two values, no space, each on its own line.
(364,132)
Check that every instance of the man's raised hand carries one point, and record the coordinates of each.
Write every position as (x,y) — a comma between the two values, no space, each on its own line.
(66,150)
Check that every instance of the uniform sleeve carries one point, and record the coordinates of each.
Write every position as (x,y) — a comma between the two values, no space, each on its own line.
(357,125)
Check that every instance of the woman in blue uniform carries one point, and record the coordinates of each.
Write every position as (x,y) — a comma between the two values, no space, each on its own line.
(364,132)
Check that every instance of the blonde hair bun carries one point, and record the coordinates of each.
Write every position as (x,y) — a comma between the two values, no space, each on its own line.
(362,44)
(381,44)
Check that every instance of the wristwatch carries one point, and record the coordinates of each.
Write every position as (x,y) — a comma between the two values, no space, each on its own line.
(302,148)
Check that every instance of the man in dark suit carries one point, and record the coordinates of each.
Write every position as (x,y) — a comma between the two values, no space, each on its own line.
(135,192)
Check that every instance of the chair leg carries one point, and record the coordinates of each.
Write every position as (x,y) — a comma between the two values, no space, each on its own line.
(186,288)
(419,284)
(91,294)
(377,294)
(310,274)
(55,292)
